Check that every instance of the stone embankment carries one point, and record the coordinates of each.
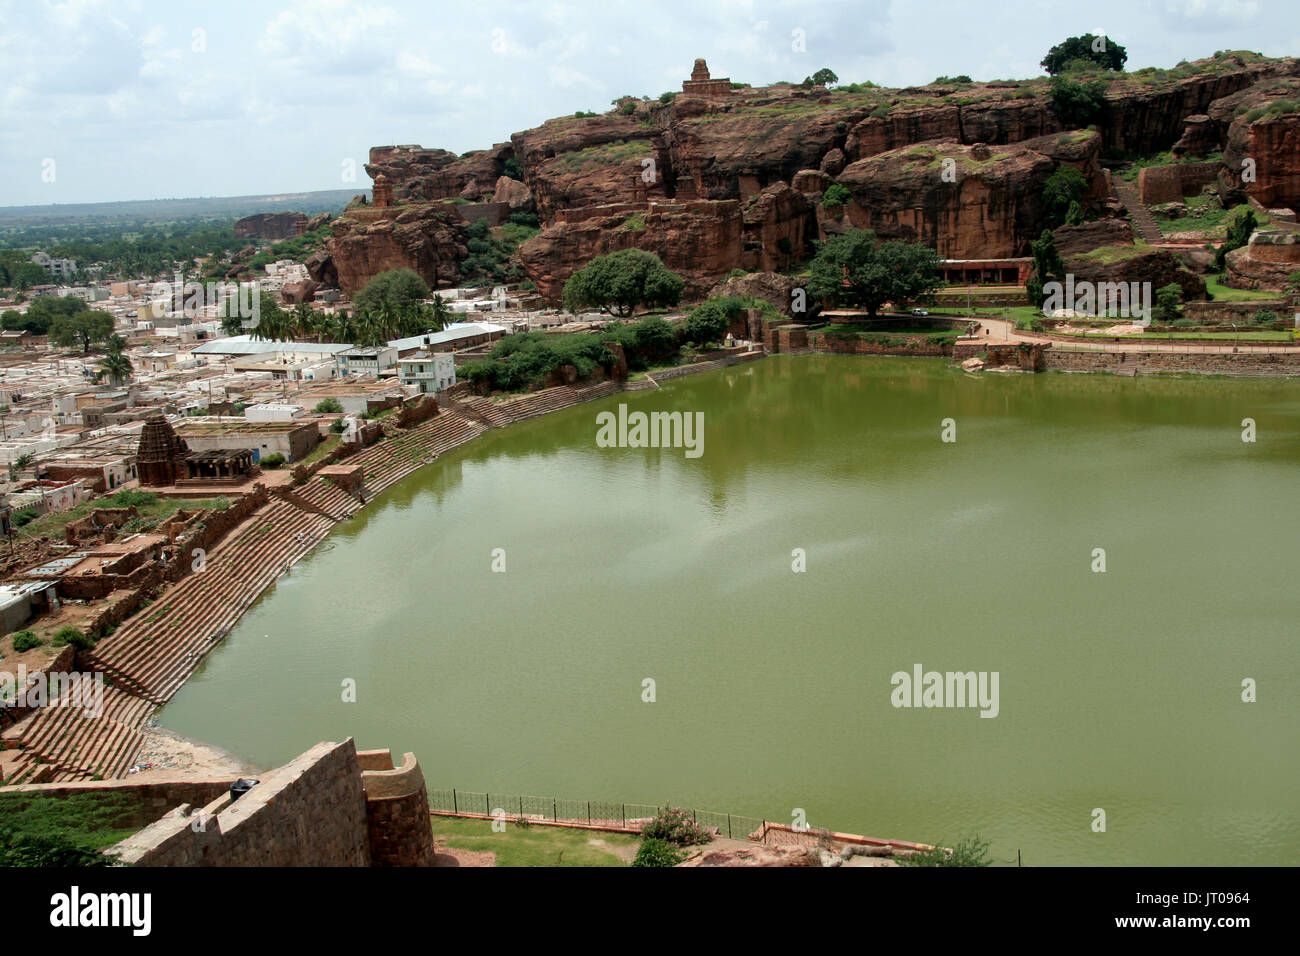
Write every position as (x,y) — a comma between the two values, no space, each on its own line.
(147,659)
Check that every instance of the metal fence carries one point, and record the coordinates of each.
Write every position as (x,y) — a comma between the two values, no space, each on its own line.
(603,813)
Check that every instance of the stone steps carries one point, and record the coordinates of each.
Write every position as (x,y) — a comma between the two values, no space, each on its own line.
(1144,224)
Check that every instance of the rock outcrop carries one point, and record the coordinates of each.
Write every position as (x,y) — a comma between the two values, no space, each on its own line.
(269,225)
(634,176)
(990,208)
(426,237)
(701,241)
(1157,266)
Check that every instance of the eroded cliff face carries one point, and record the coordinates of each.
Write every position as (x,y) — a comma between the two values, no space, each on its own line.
(366,241)
(717,183)
(701,240)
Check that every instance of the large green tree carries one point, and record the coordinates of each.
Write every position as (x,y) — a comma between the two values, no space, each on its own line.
(1100,50)
(1048,267)
(1063,188)
(852,269)
(84,329)
(1077,104)
(622,281)
(401,288)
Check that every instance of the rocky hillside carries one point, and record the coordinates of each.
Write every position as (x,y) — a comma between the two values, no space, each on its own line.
(723,182)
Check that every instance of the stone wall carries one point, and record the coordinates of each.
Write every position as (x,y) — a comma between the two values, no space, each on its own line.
(310,812)
(397,810)
(1224,313)
(332,806)
(1161,184)
(143,803)
(1243,364)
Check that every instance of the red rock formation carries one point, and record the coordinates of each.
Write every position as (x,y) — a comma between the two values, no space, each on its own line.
(700,240)
(426,237)
(992,211)
(1157,266)
(269,225)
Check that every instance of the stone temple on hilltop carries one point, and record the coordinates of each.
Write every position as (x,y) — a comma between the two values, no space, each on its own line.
(701,85)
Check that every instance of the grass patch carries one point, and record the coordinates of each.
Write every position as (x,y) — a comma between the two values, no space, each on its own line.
(533,845)
(152,514)
(87,822)
(322,449)
(1226,293)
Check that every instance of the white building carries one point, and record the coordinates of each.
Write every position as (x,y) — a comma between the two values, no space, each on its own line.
(367,361)
(428,371)
(273,412)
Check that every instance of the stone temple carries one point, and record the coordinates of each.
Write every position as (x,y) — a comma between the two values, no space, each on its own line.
(163,459)
(701,85)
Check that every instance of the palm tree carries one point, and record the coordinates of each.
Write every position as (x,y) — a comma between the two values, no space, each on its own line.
(116,367)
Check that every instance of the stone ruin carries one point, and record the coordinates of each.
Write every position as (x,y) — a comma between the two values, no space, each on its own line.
(700,84)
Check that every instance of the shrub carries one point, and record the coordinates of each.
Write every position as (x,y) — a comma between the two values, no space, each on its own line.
(24,516)
(338,426)
(961,78)
(675,825)
(128,498)
(71,635)
(25,641)
(1184,323)
(654,852)
(1265,317)
(329,406)
(972,852)
(272,461)
(836,196)
(880,112)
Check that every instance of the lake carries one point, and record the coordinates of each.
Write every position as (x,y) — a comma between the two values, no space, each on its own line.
(1118,690)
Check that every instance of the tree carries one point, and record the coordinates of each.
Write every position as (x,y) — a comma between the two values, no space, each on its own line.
(621,281)
(1077,104)
(1239,232)
(81,329)
(436,315)
(1103,51)
(401,288)
(115,367)
(328,406)
(1048,267)
(706,324)
(825,77)
(1168,304)
(852,269)
(1064,188)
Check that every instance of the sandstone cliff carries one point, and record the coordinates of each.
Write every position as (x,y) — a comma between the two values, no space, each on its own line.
(722,182)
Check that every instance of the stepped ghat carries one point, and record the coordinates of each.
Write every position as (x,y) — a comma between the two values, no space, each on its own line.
(154,651)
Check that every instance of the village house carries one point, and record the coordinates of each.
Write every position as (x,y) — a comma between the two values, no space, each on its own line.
(428,371)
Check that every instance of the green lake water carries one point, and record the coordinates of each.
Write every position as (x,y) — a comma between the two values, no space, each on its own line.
(1118,690)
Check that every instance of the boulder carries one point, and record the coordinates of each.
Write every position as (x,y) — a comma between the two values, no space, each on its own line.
(512,191)
(1076,240)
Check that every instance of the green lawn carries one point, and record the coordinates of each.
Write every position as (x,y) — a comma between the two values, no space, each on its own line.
(32,824)
(534,845)
(1226,293)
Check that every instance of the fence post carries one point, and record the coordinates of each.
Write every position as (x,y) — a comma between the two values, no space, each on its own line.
(728,826)
(555,809)
(588,813)
(521,806)
(454,808)
(487,804)
(624,816)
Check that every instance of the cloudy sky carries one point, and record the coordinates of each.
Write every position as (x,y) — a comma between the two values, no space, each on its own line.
(144,100)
